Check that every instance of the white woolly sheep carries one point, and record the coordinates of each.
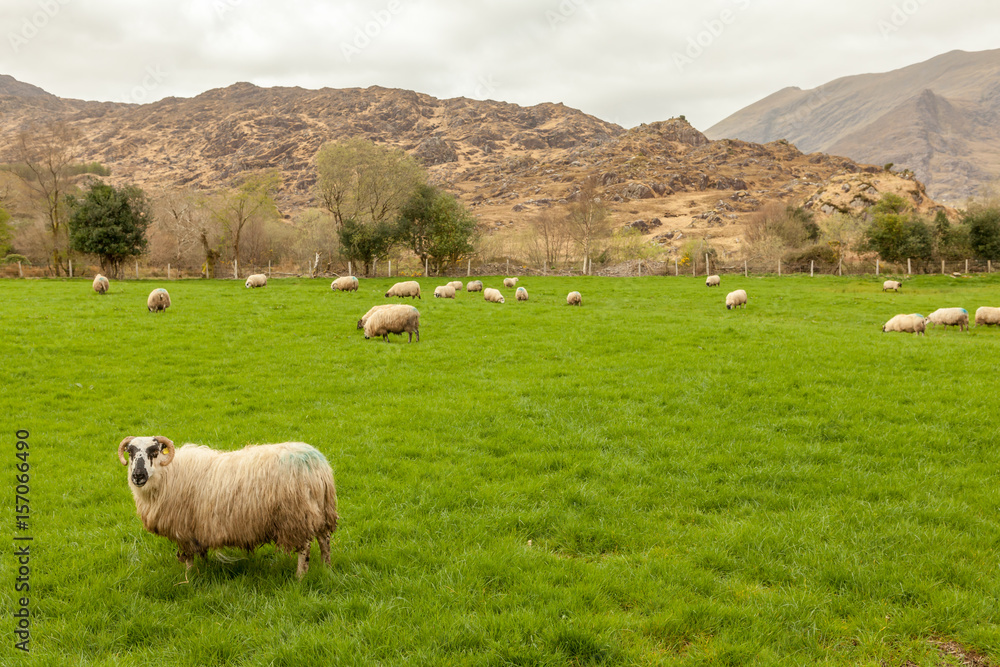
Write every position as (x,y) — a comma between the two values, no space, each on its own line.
(493,295)
(713,281)
(521,294)
(950,317)
(364,318)
(396,319)
(256,280)
(987,315)
(202,499)
(158,300)
(101,284)
(444,292)
(457,284)
(913,323)
(574,299)
(510,282)
(410,288)
(345,284)
(736,299)
(474,286)
(893,285)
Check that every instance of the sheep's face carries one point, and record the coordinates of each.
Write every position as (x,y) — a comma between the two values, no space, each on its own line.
(146,457)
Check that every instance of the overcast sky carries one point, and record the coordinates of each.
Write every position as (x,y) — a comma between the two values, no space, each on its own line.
(625,61)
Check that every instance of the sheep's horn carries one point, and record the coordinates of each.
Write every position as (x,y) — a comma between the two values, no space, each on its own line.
(121,449)
(169,446)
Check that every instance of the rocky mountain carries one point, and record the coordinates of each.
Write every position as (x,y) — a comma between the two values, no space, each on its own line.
(505,161)
(938,118)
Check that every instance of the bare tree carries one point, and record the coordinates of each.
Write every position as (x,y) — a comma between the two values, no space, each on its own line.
(588,218)
(551,239)
(250,203)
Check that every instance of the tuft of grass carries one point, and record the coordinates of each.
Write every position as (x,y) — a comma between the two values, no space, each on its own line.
(646,479)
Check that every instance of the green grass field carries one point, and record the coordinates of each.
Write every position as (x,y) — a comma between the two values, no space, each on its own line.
(648,479)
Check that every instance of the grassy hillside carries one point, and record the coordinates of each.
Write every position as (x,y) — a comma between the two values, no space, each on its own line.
(647,479)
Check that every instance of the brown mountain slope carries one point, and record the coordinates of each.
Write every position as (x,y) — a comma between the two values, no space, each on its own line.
(505,161)
(937,118)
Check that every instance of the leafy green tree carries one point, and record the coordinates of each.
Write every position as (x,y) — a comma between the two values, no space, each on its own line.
(365,242)
(250,203)
(436,227)
(895,234)
(109,222)
(983,225)
(952,240)
(6,233)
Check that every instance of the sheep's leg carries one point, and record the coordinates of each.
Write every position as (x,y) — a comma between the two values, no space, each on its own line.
(324,547)
(303,560)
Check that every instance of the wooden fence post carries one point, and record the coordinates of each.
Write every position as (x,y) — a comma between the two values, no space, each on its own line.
(840,266)
(966,266)
(168,271)
(389,274)
(136,269)
(468,269)
(350,268)
(909,268)
(779,268)
(876,266)
(942,267)
(584,265)
(375,268)
(426,265)
(812,263)
(70,268)
(20,271)
(676,270)
(706,265)
(746,273)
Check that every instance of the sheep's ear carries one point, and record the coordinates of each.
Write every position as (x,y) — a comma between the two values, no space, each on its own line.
(121,449)
(166,445)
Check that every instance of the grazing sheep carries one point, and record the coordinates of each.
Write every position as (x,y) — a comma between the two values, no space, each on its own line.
(893,285)
(410,288)
(364,318)
(202,499)
(474,286)
(101,284)
(256,280)
(950,317)
(345,284)
(510,282)
(987,315)
(574,299)
(158,300)
(457,284)
(396,319)
(713,281)
(913,323)
(493,295)
(521,294)
(736,299)
(444,292)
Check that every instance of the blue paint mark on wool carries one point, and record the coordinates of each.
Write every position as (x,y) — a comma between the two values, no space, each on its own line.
(305,458)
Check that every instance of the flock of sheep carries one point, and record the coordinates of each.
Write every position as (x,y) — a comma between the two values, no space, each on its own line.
(916,323)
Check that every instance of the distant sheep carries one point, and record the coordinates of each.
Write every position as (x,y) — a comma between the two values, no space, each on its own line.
(521,294)
(736,299)
(257,280)
(574,299)
(364,318)
(101,284)
(395,319)
(474,286)
(893,285)
(345,284)
(987,315)
(493,295)
(410,288)
(510,282)
(457,284)
(444,292)
(713,281)
(202,499)
(950,317)
(913,323)
(158,300)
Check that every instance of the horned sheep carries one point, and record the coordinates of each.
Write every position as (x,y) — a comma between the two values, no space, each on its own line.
(893,285)
(521,294)
(396,319)
(510,282)
(409,288)
(457,284)
(493,295)
(345,284)
(158,300)
(713,281)
(950,317)
(574,299)
(256,280)
(202,499)
(987,315)
(913,323)
(101,284)
(474,286)
(736,299)
(444,292)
